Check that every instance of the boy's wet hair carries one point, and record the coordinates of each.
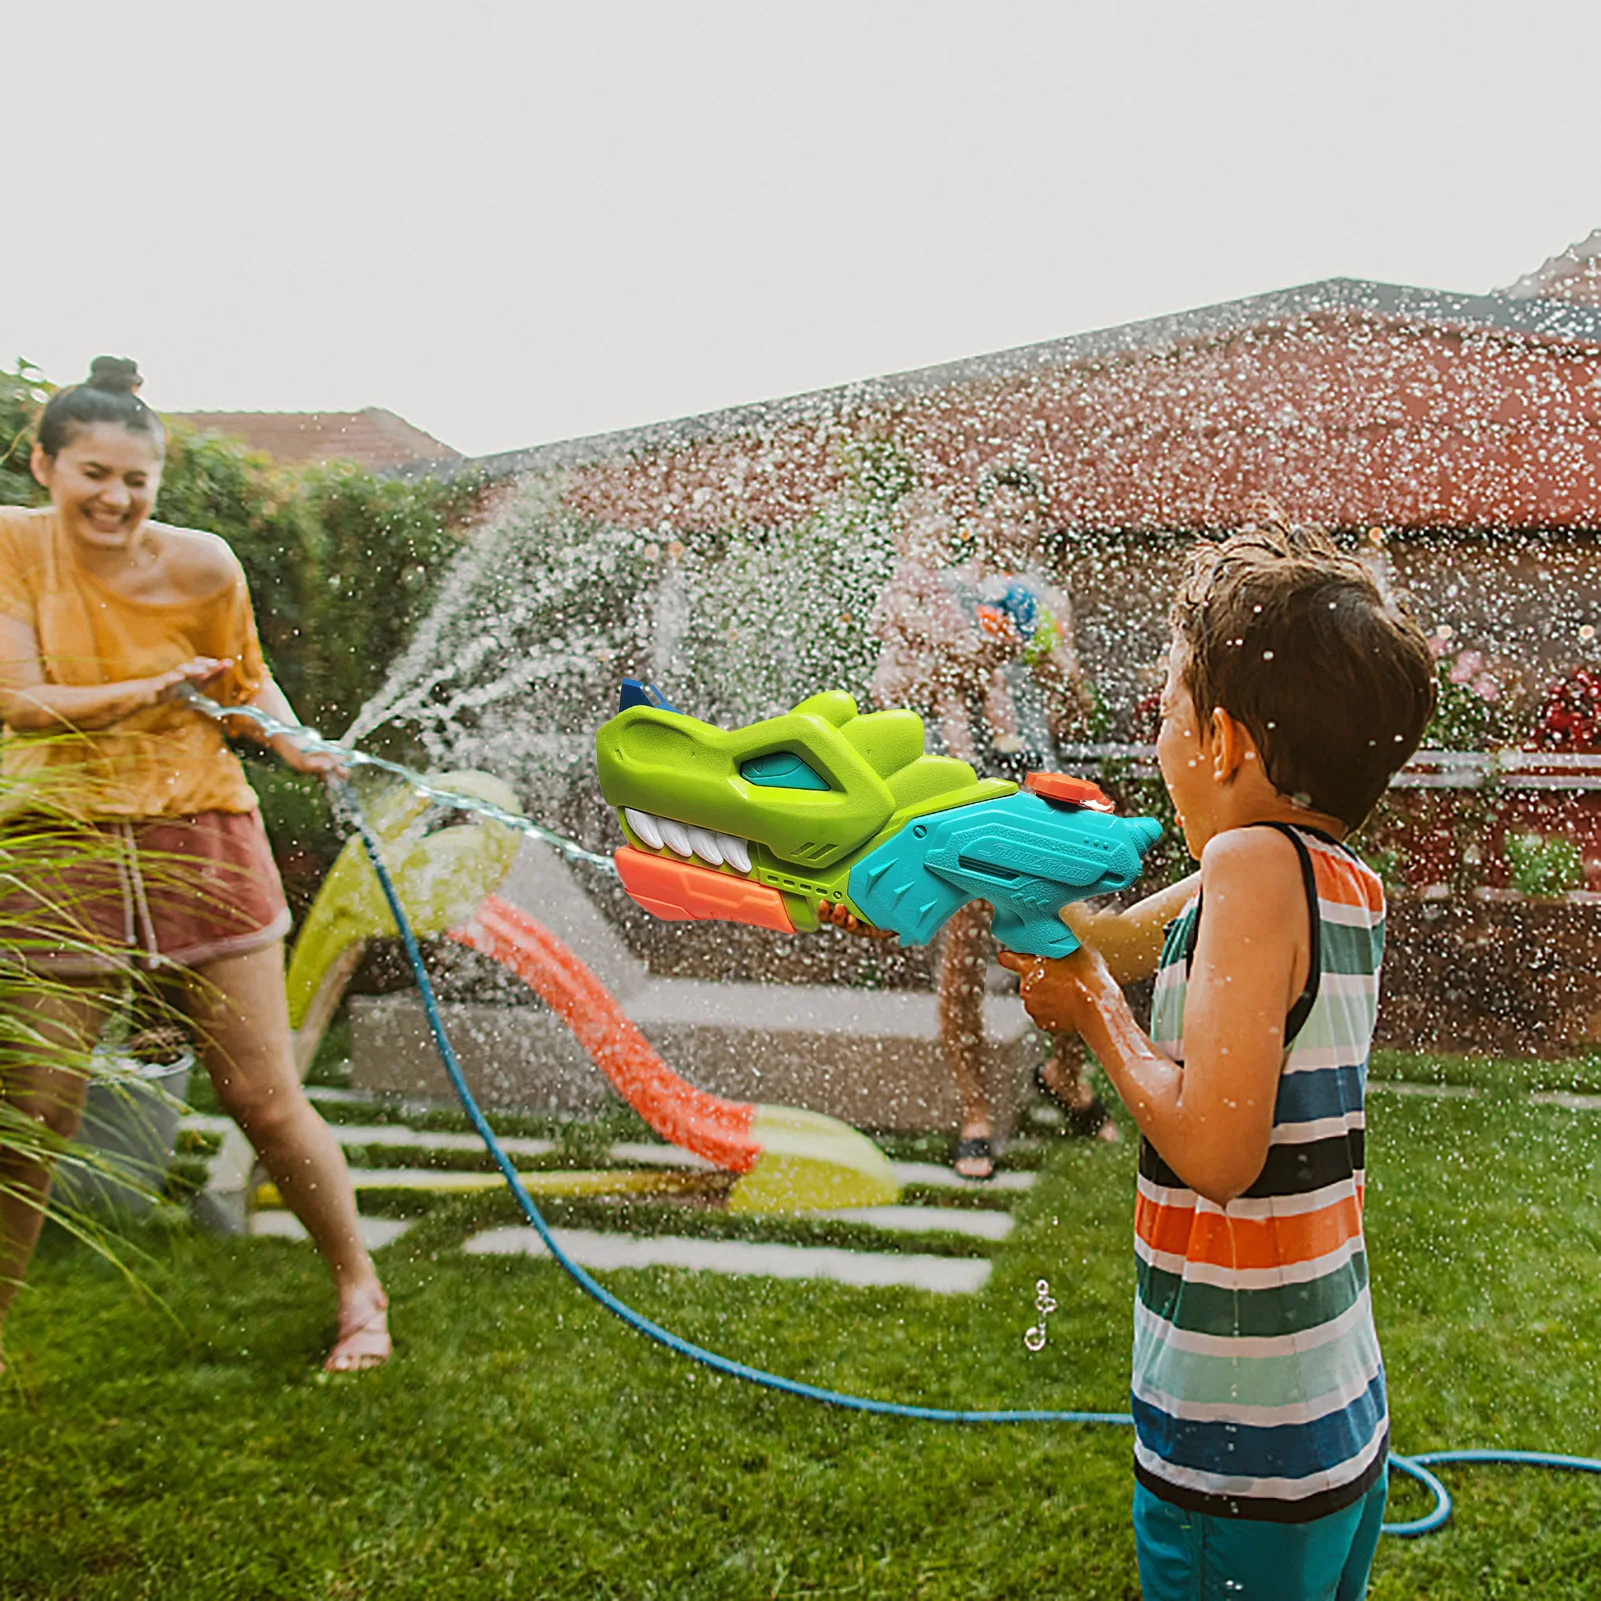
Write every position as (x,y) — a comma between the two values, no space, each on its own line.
(1294,638)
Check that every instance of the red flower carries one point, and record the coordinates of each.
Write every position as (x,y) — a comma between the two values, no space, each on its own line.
(1570,717)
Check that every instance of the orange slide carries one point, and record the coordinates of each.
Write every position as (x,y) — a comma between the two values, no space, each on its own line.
(786,1159)
(716,1130)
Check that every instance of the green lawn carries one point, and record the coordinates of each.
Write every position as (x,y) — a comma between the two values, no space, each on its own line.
(177,1443)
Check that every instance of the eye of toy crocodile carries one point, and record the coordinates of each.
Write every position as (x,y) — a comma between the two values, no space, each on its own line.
(782,769)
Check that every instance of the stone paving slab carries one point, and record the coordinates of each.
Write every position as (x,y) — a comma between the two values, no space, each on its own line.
(1438,1092)
(425,1178)
(943,1275)
(986,1224)
(376,1232)
(394,1134)
(398,1135)
(652,1154)
(946,1178)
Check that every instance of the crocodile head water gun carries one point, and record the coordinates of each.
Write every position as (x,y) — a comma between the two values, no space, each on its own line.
(823,804)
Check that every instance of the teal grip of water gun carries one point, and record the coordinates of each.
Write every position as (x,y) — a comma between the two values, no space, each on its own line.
(1028,854)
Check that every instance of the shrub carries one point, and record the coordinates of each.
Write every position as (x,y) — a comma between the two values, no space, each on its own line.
(1472,710)
(342,564)
(1543,864)
(22,392)
(1569,715)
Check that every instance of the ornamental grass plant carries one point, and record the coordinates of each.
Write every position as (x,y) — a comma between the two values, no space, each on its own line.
(43,851)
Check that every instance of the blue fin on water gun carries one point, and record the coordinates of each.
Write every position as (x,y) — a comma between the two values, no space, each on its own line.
(635,693)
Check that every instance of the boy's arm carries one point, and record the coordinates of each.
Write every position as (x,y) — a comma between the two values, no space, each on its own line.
(1211,1119)
(1131,940)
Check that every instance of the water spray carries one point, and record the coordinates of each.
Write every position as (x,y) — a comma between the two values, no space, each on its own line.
(308,739)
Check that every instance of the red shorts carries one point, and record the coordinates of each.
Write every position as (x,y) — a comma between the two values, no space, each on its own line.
(152,891)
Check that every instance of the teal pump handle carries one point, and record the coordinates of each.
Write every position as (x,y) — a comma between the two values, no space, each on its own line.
(1027,855)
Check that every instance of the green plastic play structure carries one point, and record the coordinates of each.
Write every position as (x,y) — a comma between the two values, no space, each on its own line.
(782,1159)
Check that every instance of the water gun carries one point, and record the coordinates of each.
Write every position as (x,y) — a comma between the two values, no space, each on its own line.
(1003,605)
(825,804)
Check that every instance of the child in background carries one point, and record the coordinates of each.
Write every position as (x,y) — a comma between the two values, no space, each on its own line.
(1295,691)
(931,653)
(1031,618)
(937,658)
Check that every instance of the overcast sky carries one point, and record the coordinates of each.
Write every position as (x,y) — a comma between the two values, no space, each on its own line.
(522,222)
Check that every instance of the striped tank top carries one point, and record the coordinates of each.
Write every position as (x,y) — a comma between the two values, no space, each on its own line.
(1258,1389)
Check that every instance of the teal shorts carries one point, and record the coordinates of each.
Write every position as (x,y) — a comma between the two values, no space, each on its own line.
(1192,1556)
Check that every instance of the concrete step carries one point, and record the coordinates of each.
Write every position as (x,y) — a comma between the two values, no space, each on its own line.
(869,1057)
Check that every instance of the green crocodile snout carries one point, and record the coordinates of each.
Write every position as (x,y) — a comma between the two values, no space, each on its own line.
(789,801)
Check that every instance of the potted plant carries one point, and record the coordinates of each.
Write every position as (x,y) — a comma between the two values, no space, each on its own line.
(138,1075)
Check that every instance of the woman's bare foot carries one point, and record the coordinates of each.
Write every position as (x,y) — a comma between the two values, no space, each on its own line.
(363,1340)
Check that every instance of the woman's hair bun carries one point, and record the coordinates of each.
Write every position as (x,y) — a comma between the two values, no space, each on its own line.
(115,374)
(105,396)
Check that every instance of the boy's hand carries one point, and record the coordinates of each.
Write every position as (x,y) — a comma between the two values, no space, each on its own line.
(1059,993)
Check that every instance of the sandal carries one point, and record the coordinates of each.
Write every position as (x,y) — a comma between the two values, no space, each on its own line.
(362,1345)
(1080,1122)
(974,1148)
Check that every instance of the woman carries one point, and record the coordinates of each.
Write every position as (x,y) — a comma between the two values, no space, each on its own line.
(105,617)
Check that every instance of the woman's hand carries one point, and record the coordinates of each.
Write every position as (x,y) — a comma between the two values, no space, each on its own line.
(198,671)
(319,763)
(1060,993)
(840,917)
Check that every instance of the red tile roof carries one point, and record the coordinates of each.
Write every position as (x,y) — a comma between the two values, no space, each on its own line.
(1574,275)
(373,437)
(1353,404)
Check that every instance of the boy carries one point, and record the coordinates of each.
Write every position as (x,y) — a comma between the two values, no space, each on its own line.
(1295,691)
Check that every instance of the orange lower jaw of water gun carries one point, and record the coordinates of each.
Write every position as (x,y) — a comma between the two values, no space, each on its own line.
(681,892)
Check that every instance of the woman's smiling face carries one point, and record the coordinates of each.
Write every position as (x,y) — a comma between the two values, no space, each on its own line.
(103,483)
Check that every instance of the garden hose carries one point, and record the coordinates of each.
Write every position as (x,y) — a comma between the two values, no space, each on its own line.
(1418,1468)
